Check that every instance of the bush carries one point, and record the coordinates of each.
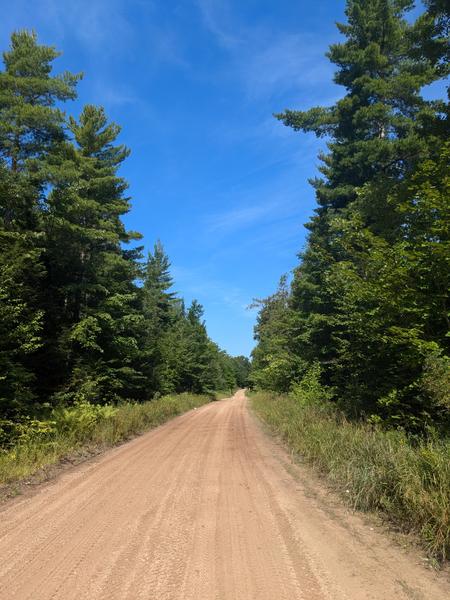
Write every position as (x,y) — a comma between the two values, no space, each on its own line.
(310,390)
(435,384)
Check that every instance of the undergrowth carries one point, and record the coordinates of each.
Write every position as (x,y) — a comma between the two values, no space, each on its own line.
(33,444)
(375,470)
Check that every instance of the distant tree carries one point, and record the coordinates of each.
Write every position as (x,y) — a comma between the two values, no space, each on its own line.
(161,310)
(241,366)
(158,300)
(274,365)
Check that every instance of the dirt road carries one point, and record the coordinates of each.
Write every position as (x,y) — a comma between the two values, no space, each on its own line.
(206,507)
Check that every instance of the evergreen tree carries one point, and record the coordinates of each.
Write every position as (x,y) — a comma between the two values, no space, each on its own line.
(31,127)
(199,373)
(20,322)
(375,127)
(190,361)
(392,312)
(376,136)
(158,301)
(161,311)
(93,317)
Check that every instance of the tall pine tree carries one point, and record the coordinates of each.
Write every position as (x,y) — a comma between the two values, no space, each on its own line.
(93,316)
(31,128)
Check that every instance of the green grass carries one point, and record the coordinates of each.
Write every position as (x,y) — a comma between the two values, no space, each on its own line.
(86,428)
(373,469)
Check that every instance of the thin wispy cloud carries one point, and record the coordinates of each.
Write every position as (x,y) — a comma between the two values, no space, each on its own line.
(198,283)
(280,202)
(282,63)
(99,25)
(239,218)
(112,96)
(167,47)
(96,24)
(266,62)
(216,16)
(102,28)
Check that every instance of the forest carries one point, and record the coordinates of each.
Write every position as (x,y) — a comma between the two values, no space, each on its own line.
(85,317)
(365,318)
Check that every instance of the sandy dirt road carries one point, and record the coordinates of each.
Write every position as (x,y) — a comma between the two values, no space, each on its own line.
(206,507)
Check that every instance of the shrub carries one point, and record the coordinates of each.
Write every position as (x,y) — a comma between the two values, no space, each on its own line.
(310,390)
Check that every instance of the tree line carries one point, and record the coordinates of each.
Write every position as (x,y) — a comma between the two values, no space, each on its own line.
(83,317)
(367,311)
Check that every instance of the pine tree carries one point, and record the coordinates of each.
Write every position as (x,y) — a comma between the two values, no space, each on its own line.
(158,301)
(31,127)
(198,375)
(373,128)
(93,317)
(30,124)
(161,311)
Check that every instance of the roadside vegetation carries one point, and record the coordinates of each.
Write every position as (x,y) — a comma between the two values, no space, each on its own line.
(30,445)
(372,469)
(353,351)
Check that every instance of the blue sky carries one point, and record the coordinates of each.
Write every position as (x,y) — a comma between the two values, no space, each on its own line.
(194,83)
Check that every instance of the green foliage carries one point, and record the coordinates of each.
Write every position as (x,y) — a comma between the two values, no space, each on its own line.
(25,431)
(240,367)
(274,365)
(309,390)
(31,127)
(82,417)
(20,321)
(92,306)
(374,470)
(178,353)
(435,381)
(372,128)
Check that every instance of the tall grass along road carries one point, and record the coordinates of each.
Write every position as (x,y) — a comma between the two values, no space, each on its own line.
(80,430)
(204,507)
